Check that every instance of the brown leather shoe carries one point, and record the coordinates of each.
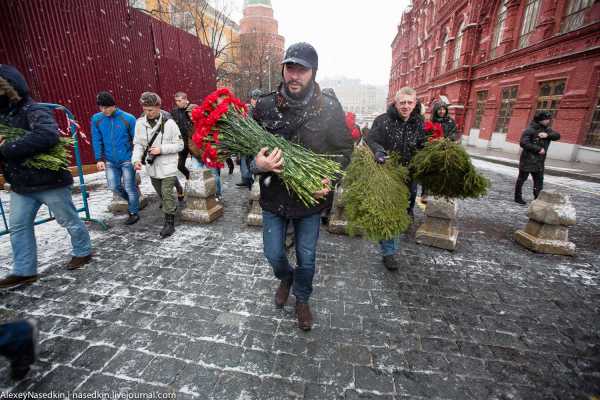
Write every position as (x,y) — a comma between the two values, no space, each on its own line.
(282,293)
(304,316)
(13,281)
(78,262)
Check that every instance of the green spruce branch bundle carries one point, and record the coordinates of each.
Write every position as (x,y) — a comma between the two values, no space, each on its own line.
(444,168)
(57,158)
(375,196)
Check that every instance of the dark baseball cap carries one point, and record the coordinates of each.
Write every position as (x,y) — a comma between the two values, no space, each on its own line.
(302,53)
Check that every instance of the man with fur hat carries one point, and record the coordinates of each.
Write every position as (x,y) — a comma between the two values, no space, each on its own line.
(156,145)
(535,141)
(112,137)
(32,187)
(299,112)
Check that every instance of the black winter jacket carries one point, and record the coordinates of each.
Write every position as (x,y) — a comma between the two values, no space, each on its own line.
(531,160)
(446,121)
(320,126)
(183,121)
(41,135)
(390,133)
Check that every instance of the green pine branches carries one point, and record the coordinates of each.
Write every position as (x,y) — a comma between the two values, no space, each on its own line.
(444,168)
(375,196)
(57,158)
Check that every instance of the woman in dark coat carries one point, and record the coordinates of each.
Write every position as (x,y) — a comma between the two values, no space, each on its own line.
(535,142)
(439,113)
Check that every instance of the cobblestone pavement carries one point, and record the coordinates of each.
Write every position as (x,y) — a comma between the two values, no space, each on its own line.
(193,314)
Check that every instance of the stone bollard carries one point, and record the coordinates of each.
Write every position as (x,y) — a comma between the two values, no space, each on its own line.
(255,213)
(201,202)
(439,228)
(119,205)
(337,220)
(547,231)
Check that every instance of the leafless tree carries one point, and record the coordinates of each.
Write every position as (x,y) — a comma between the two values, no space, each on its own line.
(260,63)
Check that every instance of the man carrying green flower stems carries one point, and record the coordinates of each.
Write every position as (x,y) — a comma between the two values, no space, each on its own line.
(32,187)
(299,112)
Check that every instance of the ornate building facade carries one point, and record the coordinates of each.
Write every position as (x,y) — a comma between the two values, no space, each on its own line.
(499,61)
(261,48)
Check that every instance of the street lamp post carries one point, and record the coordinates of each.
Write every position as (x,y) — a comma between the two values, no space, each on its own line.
(269,72)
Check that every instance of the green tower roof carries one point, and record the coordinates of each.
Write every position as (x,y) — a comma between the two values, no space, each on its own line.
(257,3)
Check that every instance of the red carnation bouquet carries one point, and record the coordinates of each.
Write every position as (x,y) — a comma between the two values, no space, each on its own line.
(223,127)
(206,116)
(434,131)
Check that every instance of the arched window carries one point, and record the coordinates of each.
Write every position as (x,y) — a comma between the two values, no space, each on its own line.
(444,54)
(499,27)
(530,17)
(458,46)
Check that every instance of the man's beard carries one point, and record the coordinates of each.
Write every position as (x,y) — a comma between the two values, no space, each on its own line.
(298,95)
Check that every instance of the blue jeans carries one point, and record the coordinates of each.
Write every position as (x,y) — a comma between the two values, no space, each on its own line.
(306,232)
(127,189)
(23,209)
(390,247)
(412,187)
(216,172)
(247,176)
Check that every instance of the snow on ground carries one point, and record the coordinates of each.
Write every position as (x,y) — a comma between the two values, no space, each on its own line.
(53,238)
(573,184)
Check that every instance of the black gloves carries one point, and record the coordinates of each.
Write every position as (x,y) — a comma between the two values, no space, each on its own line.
(380,157)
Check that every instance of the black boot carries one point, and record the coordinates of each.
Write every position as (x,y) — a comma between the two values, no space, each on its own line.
(519,199)
(169,226)
(133,218)
(536,193)
(21,346)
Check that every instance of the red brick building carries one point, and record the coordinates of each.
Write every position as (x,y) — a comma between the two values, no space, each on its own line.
(261,47)
(499,61)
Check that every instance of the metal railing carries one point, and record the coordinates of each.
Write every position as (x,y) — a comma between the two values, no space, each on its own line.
(85,208)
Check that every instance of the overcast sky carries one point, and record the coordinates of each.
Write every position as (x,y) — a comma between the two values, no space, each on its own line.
(352,38)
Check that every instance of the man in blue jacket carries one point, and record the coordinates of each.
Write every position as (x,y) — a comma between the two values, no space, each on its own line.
(32,187)
(113,131)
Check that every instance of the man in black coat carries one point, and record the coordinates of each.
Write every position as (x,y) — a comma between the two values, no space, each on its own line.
(535,141)
(30,187)
(399,130)
(299,112)
(183,121)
